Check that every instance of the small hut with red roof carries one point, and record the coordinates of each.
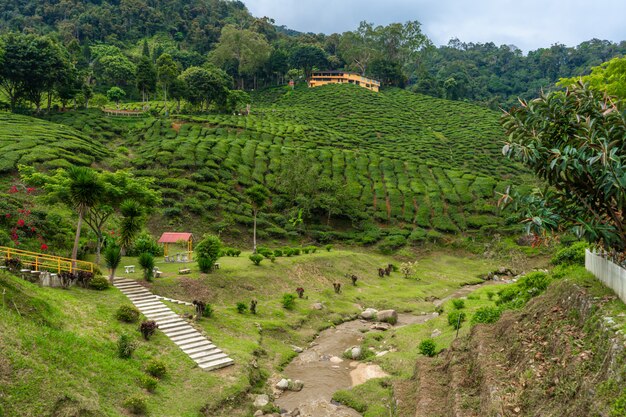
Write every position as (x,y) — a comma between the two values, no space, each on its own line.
(175,237)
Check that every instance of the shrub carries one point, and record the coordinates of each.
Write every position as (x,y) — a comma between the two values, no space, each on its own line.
(312,248)
(458,304)
(156,368)
(149,383)
(295,251)
(256,259)
(99,283)
(208,251)
(289,301)
(127,314)
(278,253)
(242,307)
(427,347)
(145,243)
(486,314)
(125,346)
(328,248)
(147,328)
(527,287)
(490,295)
(208,310)
(146,261)
(136,405)
(205,265)
(456,319)
(392,243)
(571,255)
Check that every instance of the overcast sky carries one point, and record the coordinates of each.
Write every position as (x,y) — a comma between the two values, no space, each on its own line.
(528,24)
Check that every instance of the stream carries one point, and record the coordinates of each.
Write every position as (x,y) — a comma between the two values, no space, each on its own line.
(323,369)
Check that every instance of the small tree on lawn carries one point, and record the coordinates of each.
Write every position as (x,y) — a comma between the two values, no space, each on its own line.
(208,252)
(112,258)
(258,196)
(146,261)
(116,94)
(132,222)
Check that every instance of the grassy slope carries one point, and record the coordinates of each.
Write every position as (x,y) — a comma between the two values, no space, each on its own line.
(26,140)
(407,158)
(75,356)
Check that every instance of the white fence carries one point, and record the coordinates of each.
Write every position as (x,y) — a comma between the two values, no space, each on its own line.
(612,275)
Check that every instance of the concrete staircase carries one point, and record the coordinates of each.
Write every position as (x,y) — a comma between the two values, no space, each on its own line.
(194,344)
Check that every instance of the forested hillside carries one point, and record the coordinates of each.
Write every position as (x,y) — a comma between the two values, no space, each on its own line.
(106,44)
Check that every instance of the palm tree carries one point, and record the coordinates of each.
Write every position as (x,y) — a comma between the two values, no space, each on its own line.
(112,257)
(132,221)
(84,191)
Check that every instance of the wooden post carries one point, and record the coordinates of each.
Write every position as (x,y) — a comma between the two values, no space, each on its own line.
(36,263)
(59,265)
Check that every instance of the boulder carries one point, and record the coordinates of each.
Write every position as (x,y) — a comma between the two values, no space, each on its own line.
(297,349)
(283,384)
(388,316)
(435,333)
(355,353)
(317,306)
(258,413)
(335,359)
(369,314)
(296,385)
(380,326)
(261,400)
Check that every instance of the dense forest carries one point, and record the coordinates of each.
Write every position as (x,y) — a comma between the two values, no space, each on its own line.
(118,43)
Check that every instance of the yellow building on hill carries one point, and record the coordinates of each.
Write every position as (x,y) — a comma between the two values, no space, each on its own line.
(340,77)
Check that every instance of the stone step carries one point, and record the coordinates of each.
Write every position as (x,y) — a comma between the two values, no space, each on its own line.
(153,309)
(186,337)
(202,348)
(148,303)
(135,293)
(219,363)
(190,346)
(189,337)
(200,356)
(172,323)
(139,296)
(128,286)
(160,316)
(178,331)
(211,358)
(191,343)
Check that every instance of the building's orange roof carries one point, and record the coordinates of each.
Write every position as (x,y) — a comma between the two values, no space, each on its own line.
(169,237)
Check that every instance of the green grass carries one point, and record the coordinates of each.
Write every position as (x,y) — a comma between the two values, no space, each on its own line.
(71,335)
(63,343)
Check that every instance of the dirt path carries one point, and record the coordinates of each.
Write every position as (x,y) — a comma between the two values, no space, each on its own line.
(324,371)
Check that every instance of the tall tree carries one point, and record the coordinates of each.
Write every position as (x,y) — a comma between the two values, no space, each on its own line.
(307,57)
(83,190)
(32,64)
(205,85)
(167,72)
(358,47)
(146,77)
(258,197)
(132,222)
(243,50)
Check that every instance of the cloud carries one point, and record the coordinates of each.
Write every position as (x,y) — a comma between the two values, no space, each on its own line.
(528,24)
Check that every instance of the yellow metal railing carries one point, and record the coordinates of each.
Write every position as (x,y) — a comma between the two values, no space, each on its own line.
(43,262)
